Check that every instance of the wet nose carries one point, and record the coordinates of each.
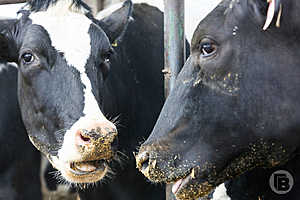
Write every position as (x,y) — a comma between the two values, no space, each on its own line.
(143,161)
(96,133)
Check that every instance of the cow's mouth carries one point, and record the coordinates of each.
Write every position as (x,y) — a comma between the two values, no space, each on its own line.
(81,171)
(85,171)
(200,182)
(190,187)
(87,167)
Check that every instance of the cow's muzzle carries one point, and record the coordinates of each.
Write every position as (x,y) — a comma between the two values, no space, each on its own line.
(88,148)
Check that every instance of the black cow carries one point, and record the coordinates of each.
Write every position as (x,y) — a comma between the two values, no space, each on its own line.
(64,56)
(235,105)
(19,160)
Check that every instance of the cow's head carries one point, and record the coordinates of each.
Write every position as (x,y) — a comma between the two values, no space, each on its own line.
(63,57)
(235,105)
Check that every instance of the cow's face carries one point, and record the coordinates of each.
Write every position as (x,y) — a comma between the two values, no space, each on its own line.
(63,60)
(235,105)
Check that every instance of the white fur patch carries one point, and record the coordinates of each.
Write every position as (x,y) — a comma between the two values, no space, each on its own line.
(68,30)
(221,193)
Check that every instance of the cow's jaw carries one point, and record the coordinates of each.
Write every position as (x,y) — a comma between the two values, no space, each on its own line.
(81,172)
(186,188)
(193,180)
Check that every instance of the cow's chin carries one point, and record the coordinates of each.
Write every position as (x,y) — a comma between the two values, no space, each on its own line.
(199,181)
(191,187)
(81,172)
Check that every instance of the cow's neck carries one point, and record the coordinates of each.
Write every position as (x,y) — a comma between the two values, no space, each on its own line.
(255,185)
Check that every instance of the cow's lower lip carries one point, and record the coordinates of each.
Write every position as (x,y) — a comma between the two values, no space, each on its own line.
(179,184)
(87,167)
(81,171)
(190,187)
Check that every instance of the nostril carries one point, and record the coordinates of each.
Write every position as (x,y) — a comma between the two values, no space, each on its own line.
(145,164)
(143,161)
(84,138)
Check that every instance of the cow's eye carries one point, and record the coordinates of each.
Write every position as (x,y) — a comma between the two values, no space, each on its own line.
(27,58)
(207,47)
(106,56)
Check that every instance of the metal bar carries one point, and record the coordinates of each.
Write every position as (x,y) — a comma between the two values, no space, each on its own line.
(174,41)
(100,5)
(3,2)
(175,55)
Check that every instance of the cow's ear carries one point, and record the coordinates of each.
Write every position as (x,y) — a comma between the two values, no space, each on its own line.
(8,47)
(115,25)
(266,11)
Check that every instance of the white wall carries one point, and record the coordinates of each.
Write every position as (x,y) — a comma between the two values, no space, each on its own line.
(195,11)
(9,10)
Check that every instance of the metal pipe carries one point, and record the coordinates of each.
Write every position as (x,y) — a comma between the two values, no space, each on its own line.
(175,54)
(3,2)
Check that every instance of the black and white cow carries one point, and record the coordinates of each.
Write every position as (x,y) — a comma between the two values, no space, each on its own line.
(235,106)
(64,88)
(22,176)
(42,42)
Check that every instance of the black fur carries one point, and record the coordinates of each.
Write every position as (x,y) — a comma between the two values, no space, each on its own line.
(19,160)
(234,112)
(42,5)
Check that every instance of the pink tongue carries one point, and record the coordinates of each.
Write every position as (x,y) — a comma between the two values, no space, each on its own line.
(85,167)
(176,186)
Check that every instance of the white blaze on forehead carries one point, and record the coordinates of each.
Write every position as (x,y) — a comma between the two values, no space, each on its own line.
(68,31)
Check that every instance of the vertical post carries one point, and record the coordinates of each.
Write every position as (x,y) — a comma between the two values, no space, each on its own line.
(175,54)
(96,5)
(100,5)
